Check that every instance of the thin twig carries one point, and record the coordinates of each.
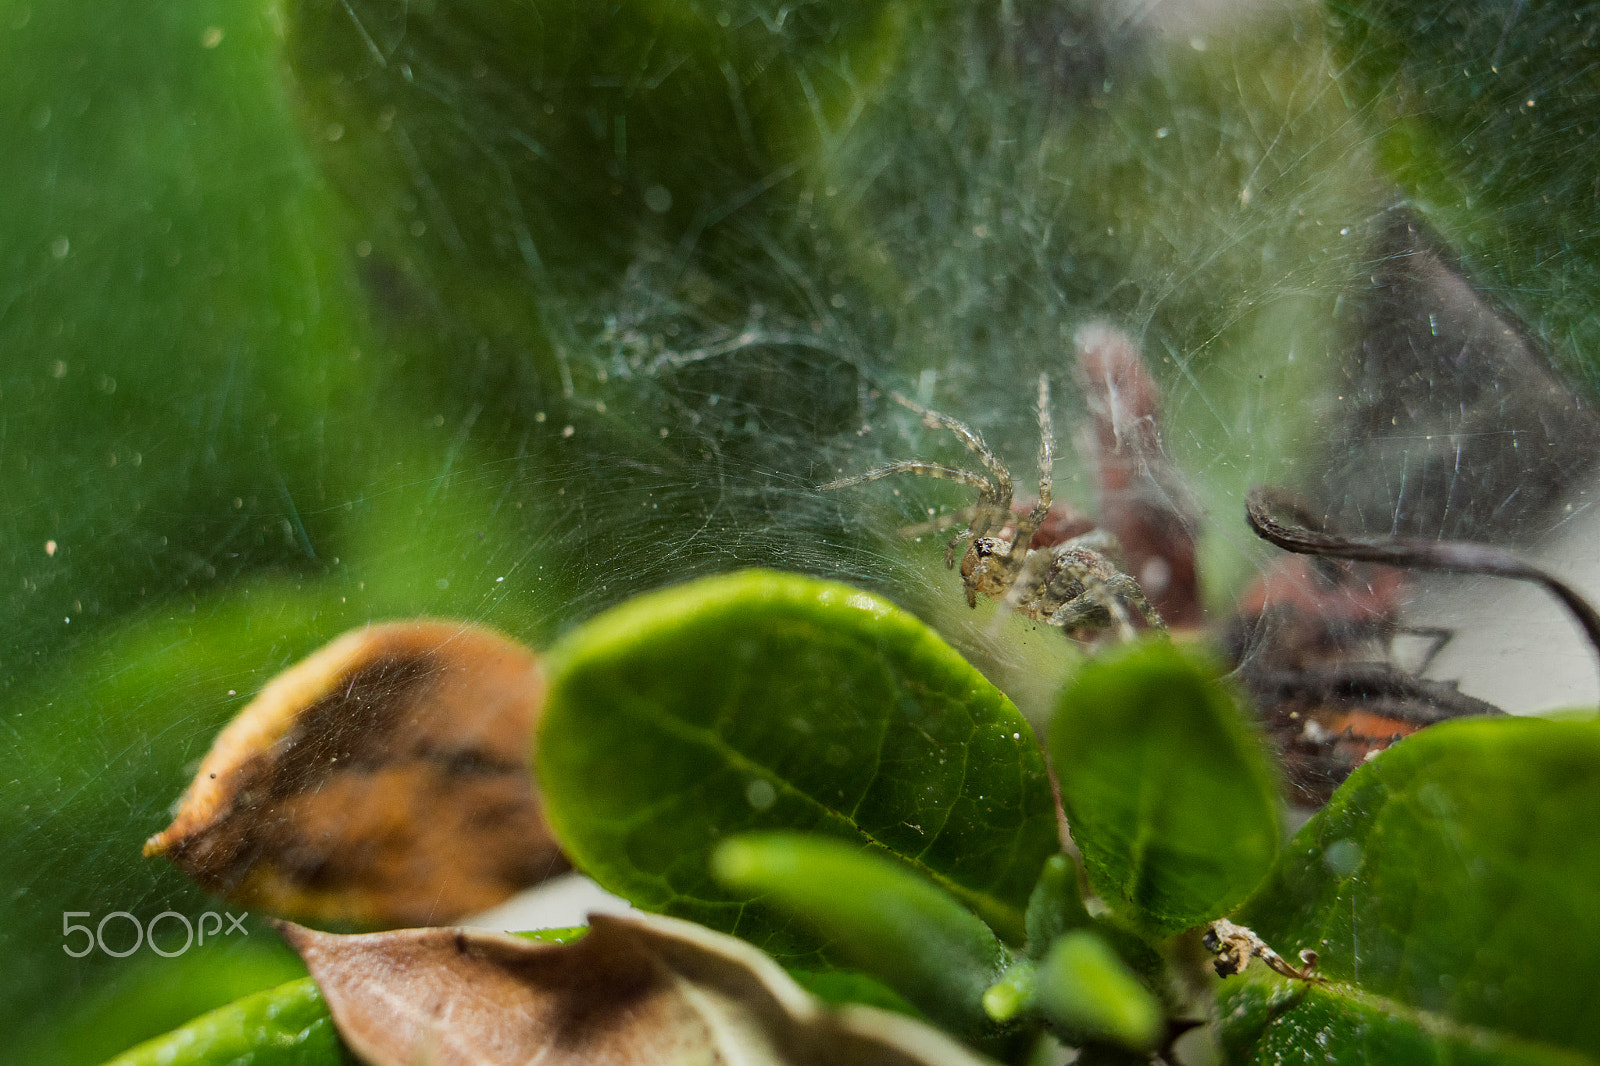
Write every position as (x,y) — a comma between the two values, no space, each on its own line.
(1441,556)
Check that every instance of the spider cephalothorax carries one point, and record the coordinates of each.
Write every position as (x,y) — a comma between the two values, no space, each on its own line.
(1072,584)
(987,568)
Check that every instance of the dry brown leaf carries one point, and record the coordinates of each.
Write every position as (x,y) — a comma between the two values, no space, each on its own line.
(385,780)
(638,990)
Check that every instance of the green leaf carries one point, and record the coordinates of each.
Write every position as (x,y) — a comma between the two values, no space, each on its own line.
(283,1026)
(1084,987)
(1458,874)
(878,915)
(841,987)
(1055,906)
(564,934)
(1269,1020)
(149,995)
(581,129)
(760,700)
(1168,793)
(1013,993)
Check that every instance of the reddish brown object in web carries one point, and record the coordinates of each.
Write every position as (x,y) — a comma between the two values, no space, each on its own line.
(1295,634)
(1134,506)
(385,780)
(1312,642)
(1306,611)
(1060,525)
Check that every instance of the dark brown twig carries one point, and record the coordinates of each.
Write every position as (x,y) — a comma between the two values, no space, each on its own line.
(1442,556)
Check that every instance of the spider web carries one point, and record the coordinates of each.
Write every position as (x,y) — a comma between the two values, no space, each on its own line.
(466,362)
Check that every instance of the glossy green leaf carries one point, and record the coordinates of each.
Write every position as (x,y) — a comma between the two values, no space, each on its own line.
(1084,987)
(761,700)
(1459,874)
(1271,1021)
(284,1026)
(1168,793)
(878,915)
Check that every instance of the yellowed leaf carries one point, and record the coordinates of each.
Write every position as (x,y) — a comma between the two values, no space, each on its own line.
(385,780)
(638,990)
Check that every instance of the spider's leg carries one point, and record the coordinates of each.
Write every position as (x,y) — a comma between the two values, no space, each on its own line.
(980,518)
(1000,493)
(1097,608)
(1105,596)
(1100,541)
(985,516)
(1124,589)
(1437,636)
(941,523)
(950,548)
(944,473)
(1083,612)
(1047,458)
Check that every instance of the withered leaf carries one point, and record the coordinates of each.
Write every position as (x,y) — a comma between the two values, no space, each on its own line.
(638,990)
(384,781)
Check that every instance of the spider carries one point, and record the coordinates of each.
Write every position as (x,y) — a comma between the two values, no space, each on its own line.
(1073,584)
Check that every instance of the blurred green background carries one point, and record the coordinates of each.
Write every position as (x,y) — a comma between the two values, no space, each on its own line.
(320,312)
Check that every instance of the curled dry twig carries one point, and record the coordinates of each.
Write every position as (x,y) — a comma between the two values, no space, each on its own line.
(1443,556)
(1234,946)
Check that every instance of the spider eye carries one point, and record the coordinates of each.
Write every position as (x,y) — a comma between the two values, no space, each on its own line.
(983,546)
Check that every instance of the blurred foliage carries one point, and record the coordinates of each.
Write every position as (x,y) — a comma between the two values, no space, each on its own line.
(1445,896)
(318,312)
(204,471)
(762,701)
(1170,793)
(1457,876)
(1270,1022)
(1085,988)
(701,234)
(283,1026)
(1487,113)
(877,914)
(151,995)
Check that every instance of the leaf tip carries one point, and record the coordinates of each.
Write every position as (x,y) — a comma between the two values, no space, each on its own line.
(297,936)
(734,862)
(1011,995)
